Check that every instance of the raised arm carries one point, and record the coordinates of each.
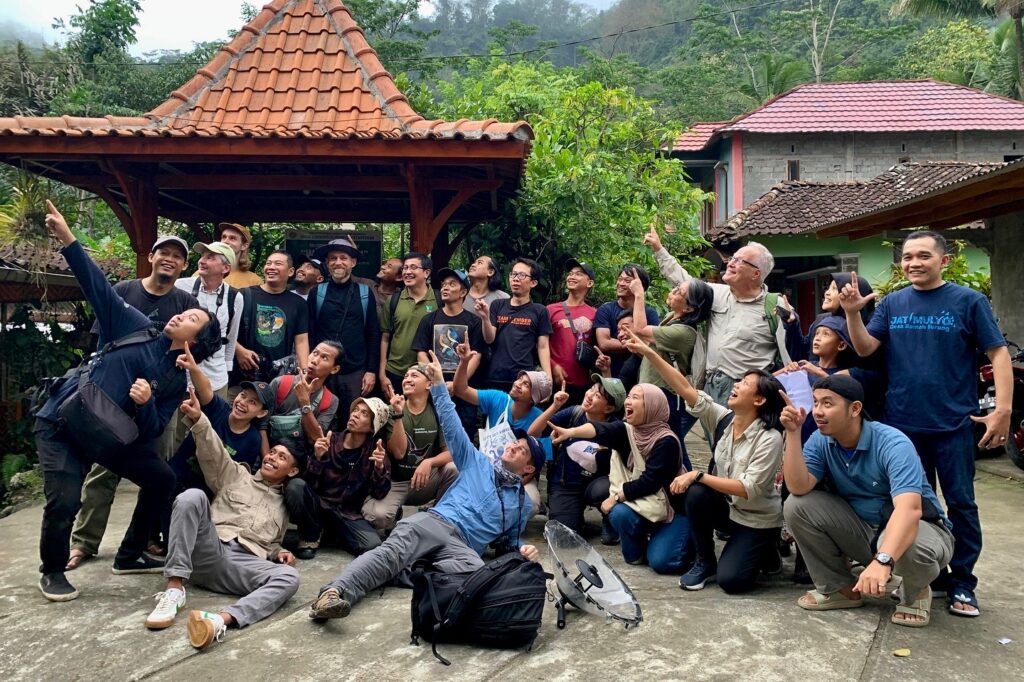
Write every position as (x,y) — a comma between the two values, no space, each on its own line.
(203,388)
(676,381)
(218,468)
(798,478)
(459,445)
(640,326)
(541,422)
(853,302)
(669,266)
(460,382)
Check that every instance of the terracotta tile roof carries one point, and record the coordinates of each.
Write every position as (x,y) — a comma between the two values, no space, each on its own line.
(876,107)
(697,137)
(796,206)
(300,68)
(22,256)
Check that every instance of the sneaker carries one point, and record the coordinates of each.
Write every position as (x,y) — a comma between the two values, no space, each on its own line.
(55,587)
(701,573)
(167,606)
(330,604)
(205,628)
(608,534)
(144,564)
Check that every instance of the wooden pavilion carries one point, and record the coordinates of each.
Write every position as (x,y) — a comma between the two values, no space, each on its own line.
(294,120)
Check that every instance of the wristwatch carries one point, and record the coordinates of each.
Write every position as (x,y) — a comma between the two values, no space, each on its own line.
(885,559)
(700,475)
(306,409)
(396,416)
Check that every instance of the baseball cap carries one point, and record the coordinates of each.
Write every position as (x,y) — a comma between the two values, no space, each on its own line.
(838,325)
(645,279)
(540,385)
(582,265)
(613,387)
(845,386)
(302,259)
(219,248)
(170,239)
(345,244)
(536,449)
(445,273)
(240,229)
(263,392)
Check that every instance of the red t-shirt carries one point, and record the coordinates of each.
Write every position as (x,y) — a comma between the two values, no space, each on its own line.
(563,342)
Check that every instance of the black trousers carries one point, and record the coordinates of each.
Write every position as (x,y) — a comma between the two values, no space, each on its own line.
(746,551)
(64,464)
(567,503)
(313,518)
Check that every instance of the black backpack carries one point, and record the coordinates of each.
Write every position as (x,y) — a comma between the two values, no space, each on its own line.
(498,605)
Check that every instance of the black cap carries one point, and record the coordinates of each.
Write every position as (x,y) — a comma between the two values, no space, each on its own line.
(536,449)
(585,267)
(845,386)
(302,259)
(645,279)
(263,392)
(298,449)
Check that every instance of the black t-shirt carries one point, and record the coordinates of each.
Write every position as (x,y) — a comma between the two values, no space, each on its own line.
(515,341)
(444,347)
(276,319)
(159,309)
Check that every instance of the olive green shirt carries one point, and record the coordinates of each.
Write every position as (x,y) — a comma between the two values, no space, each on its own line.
(402,328)
(673,342)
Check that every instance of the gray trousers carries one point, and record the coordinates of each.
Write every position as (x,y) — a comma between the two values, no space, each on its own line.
(195,553)
(827,530)
(382,513)
(422,535)
(719,386)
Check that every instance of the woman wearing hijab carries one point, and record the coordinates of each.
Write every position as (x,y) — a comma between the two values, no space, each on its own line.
(647,457)
(738,494)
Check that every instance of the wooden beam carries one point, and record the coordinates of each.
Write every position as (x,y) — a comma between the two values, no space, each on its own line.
(421,211)
(461,197)
(277,183)
(141,195)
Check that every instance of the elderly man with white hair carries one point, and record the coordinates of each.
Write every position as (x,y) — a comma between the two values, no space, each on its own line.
(744,333)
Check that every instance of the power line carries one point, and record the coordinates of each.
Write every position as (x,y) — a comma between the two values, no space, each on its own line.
(451,58)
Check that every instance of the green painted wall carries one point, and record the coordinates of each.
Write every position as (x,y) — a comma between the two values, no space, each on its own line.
(875,258)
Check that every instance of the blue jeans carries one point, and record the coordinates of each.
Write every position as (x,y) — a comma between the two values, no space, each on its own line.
(949,457)
(666,550)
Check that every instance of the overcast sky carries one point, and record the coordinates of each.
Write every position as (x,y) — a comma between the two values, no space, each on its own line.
(163,25)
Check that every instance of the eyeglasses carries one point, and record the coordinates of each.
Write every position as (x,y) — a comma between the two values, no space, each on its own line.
(737,259)
(520,275)
(411,268)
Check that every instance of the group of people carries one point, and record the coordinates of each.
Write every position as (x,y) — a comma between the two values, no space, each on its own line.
(316,399)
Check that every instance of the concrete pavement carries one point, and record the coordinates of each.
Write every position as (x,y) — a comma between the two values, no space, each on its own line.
(702,635)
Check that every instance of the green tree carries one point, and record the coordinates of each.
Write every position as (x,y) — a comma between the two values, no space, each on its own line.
(960,52)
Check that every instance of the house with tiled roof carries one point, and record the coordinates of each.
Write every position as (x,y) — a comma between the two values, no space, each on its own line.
(822,148)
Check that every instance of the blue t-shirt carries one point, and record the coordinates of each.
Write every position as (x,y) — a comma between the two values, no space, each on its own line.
(607,317)
(884,464)
(931,340)
(493,402)
(244,448)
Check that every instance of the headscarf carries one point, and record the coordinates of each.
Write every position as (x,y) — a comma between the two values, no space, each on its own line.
(655,425)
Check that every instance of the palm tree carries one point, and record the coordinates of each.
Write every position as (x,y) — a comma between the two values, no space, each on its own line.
(771,75)
(971,9)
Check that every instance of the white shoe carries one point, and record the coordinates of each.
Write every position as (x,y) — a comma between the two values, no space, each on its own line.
(204,628)
(167,606)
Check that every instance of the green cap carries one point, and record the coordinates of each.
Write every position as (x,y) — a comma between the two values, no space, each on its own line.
(613,387)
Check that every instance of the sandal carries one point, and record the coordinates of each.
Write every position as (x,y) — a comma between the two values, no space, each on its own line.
(76,558)
(828,602)
(961,595)
(919,607)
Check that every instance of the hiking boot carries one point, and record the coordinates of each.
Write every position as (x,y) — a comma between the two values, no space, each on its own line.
(143,564)
(55,587)
(609,536)
(167,606)
(330,604)
(701,573)
(205,628)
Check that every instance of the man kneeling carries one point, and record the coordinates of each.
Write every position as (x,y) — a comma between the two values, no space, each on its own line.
(231,545)
(486,504)
(883,514)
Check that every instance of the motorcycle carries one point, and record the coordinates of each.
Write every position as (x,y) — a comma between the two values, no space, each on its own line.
(987,403)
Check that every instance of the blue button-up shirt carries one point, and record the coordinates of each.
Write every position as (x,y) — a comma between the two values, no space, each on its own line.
(472,504)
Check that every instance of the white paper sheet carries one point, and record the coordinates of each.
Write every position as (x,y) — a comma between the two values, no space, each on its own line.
(798,389)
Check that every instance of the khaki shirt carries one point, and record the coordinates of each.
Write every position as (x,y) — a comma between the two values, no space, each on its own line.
(753,460)
(244,508)
(739,336)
